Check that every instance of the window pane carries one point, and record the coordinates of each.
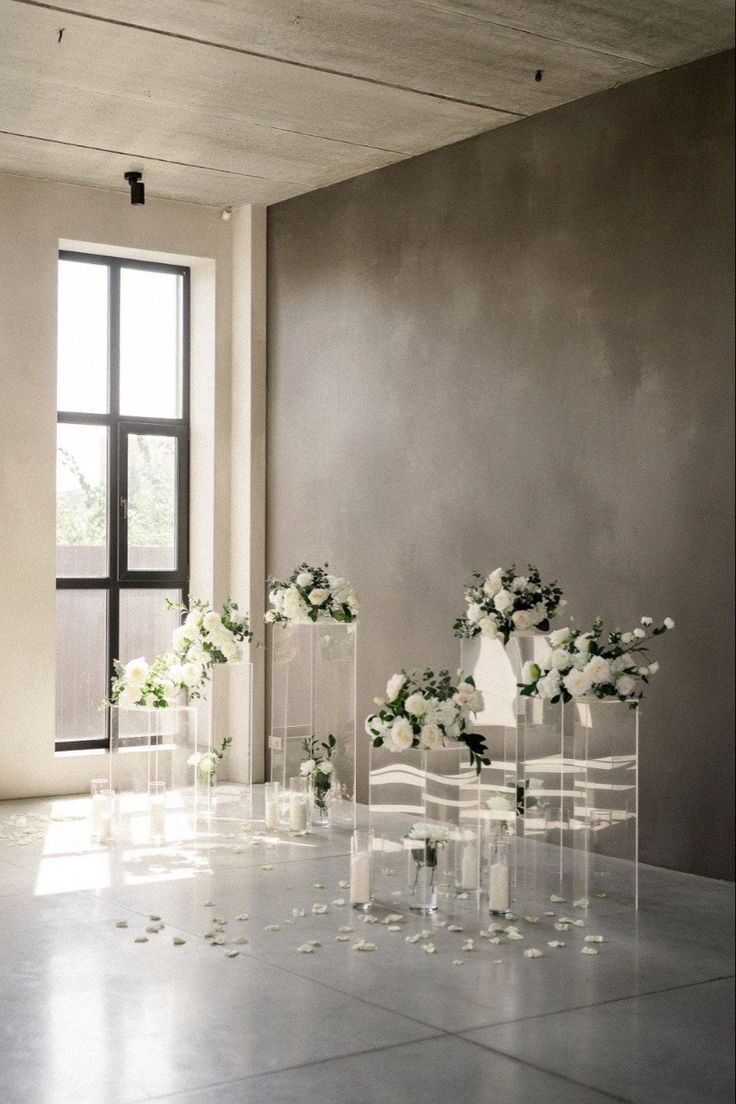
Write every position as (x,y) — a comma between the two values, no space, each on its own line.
(145,624)
(81,660)
(151,502)
(82,337)
(81,501)
(150,343)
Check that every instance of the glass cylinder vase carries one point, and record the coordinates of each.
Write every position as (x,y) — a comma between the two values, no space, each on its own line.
(423,875)
(299,804)
(499,872)
(361,869)
(272,805)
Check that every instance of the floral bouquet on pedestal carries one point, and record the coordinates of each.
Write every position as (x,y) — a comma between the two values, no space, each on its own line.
(311,594)
(503,602)
(581,663)
(428,711)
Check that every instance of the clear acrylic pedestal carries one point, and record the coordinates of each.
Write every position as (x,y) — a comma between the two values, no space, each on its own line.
(231,799)
(604,850)
(525,743)
(313,671)
(150,747)
(438,787)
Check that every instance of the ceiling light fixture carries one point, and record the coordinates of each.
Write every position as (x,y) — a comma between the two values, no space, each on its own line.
(137,187)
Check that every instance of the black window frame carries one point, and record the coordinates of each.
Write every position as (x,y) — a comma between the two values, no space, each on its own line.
(119,427)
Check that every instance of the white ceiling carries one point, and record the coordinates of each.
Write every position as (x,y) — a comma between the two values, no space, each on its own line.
(230,102)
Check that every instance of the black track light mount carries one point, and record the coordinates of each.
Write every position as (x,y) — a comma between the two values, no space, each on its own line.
(137,187)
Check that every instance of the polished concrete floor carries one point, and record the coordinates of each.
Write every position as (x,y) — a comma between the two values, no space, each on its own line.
(92,1017)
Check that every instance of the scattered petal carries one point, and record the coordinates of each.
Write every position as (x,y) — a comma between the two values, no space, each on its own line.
(601,896)
(496,939)
(141,939)
(243,916)
(298,913)
(511,916)
(346,928)
(556,900)
(462,896)
(154,917)
(208,904)
(342,938)
(231,954)
(457,962)
(582,903)
(589,950)
(549,914)
(272,928)
(468,945)
(178,941)
(556,943)
(413,938)
(578,923)
(393,918)
(121,923)
(388,871)
(318,909)
(531,919)
(343,883)
(306,948)
(561,927)
(514,935)
(455,928)
(339,902)
(370,919)
(533,952)
(394,927)
(429,948)
(238,850)
(440,923)
(594,939)
(318,885)
(219,942)
(154,929)
(240,940)
(362,945)
(425,933)
(498,962)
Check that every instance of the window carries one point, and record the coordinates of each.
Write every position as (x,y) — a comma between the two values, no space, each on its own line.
(122,476)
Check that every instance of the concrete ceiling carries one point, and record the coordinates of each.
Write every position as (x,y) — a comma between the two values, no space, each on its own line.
(229,102)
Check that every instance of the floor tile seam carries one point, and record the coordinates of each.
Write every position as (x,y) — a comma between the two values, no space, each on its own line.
(183,1093)
(599,1004)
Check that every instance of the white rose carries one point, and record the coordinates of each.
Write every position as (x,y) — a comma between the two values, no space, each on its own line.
(639,634)
(559,636)
(519,583)
(598,670)
(445,713)
(416,704)
(540,613)
(475,702)
(453,731)
(431,736)
(559,659)
(523,619)
(488,628)
(402,734)
(494,582)
(653,668)
(193,619)
(620,663)
(341,590)
(128,697)
(276,598)
(212,621)
(646,620)
(625,685)
(307,766)
(305,579)
(475,612)
(577,683)
(549,686)
(191,673)
(582,642)
(394,686)
(168,689)
(504,601)
(325,767)
(352,601)
(669,623)
(627,638)
(269,616)
(318,596)
(295,608)
(136,672)
(530,672)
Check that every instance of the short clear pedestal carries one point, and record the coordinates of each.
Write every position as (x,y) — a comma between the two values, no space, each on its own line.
(312,697)
(604,849)
(412,787)
(525,742)
(231,795)
(150,753)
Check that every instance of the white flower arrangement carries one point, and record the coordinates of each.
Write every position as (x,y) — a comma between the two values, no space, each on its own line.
(318,768)
(580,664)
(204,639)
(503,602)
(207,762)
(428,711)
(311,594)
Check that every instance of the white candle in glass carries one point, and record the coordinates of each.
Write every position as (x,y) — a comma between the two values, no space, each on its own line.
(298,813)
(361,847)
(272,799)
(157,810)
(97,818)
(469,865)
(499,887)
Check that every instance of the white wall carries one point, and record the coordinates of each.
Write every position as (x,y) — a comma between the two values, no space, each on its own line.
(35,218)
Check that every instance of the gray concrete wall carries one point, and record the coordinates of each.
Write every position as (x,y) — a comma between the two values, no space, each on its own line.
(520,348)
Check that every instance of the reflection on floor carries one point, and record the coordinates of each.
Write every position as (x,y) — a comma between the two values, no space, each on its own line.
(94,1017)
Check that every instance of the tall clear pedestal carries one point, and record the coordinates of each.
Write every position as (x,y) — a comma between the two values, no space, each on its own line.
(604,851)
(231,799)
(161,795)
(525,742)
(313,697)
(439,788)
